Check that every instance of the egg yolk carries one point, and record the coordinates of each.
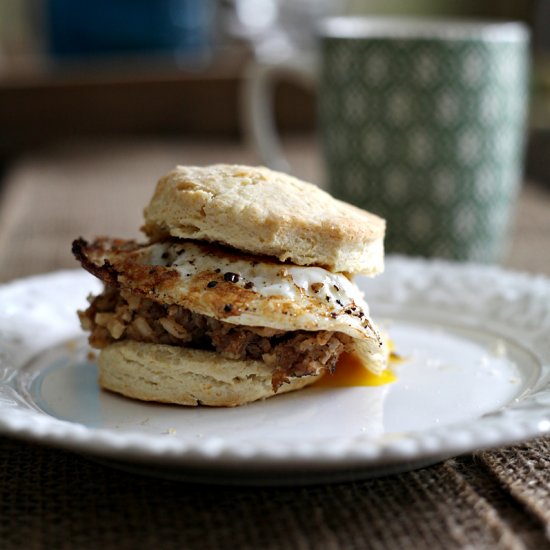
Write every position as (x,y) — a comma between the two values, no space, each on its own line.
(350,372)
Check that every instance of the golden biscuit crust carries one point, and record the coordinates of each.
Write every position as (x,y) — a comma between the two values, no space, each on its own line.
(261,211)
(182,376)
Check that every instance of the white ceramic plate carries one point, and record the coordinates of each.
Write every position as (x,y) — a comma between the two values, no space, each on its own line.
(477,374)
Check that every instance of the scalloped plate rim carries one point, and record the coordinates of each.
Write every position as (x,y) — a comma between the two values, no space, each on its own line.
(415,447)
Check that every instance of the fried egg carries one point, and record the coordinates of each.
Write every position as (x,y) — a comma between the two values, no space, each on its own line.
(238,288)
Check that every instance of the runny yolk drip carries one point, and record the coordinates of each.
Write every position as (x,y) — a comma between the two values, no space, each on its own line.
(350,372)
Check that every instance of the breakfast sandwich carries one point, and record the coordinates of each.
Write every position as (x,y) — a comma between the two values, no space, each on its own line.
(242,292)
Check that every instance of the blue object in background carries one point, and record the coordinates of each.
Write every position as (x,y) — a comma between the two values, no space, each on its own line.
(94,28)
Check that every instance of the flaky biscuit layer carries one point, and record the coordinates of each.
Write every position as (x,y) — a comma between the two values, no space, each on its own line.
(183,376)
(260,211)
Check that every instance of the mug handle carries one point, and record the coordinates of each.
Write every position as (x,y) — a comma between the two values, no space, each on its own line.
(257,104)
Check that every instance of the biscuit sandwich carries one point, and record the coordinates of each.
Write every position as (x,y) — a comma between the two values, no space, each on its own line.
(242,292)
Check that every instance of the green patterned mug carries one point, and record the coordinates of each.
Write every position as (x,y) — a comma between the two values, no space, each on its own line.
(421,122)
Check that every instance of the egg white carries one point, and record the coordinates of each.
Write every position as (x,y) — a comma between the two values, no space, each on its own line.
(321,297)
(247,290)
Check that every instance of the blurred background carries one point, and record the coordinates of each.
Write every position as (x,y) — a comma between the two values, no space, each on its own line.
(98,98)
(96,68)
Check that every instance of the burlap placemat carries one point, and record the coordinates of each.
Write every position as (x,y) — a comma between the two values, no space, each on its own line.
(524,472)
(53,499)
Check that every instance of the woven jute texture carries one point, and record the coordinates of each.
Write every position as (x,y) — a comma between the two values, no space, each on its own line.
(50,498)
(53,499)
(524,471)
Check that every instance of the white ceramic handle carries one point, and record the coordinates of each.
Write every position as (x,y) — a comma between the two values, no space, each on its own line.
(257,104)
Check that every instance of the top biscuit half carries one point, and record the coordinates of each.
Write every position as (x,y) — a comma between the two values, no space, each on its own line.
(260,211)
